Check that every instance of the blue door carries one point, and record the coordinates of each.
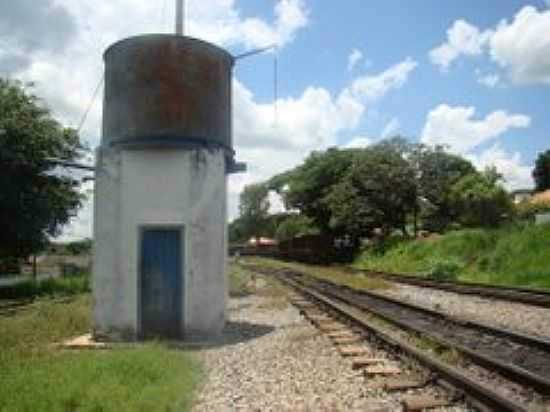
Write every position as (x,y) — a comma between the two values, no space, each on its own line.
(161,282)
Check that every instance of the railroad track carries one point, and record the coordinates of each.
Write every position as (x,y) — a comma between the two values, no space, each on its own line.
(520,358)
(12,307)
(531,296)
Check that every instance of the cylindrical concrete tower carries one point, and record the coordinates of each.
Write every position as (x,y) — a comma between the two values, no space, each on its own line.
(160,198)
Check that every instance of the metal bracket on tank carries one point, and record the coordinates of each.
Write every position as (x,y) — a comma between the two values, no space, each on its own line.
(235,167)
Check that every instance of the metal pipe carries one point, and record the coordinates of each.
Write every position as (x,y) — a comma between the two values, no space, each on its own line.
(256,51)
(179,17)
(69,164)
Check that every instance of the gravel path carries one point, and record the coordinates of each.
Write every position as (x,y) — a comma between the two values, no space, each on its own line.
(274,360)
(515,316)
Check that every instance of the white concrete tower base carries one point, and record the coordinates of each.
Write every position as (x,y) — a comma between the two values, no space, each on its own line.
(166,188)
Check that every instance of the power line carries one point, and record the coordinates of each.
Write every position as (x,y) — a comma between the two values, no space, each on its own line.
(94,96)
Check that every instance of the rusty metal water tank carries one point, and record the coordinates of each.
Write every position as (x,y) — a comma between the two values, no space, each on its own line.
(165,90)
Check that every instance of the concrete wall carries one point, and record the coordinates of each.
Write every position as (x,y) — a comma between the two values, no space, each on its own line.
(159,188)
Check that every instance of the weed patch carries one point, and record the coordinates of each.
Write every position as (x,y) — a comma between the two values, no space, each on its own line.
(332,274)
(37,377)
(73,285)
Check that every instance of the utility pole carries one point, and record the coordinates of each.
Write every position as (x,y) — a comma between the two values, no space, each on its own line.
(180,17)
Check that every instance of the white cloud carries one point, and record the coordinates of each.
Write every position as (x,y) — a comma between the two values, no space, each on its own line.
(523,46)
(489,80)
(354,58)
(456,127)
(308,121)
(358,142)
(67,69)
(81,225)
(219,21)
(516,174)
(462,38)
(276,204)
(520,47)
(311,121)
(372,87)
(391,128)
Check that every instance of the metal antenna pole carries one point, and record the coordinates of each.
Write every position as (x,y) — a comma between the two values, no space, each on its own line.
(179,17)
(275,88)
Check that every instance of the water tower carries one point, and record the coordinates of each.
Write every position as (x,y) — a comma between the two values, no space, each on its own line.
(160,197)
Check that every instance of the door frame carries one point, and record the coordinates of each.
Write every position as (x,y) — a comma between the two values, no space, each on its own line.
(142,228)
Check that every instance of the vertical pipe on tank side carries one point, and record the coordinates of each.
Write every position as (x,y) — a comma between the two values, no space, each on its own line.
(179,17)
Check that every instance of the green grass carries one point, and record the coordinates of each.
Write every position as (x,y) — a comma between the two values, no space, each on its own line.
(239,281)
(330,273)
(50,287)
(35,376)
(514,255)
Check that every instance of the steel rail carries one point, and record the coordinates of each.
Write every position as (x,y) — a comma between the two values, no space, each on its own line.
(475,340)
(507,368)
(477,393)
(530,296)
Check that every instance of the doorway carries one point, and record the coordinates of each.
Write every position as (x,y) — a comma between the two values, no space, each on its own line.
(161,289)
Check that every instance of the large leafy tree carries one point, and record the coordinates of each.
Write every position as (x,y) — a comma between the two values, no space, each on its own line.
(294,225)
(34,201)
(307,187)
(541,172)
(436,173)
(378,191)
(254,207)
(479,199)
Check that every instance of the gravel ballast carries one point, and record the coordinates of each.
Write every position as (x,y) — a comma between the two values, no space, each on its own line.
(510,315)
(272,359)
(282,363)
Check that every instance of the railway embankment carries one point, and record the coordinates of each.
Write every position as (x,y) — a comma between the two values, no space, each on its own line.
(517,255)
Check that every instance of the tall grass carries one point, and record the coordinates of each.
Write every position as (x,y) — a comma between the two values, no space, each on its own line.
(334,274)
(514,255)
(37,376)
(73,285)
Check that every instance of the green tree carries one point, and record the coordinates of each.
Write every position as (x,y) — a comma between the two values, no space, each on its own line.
(306,188)
(253,210)
(79,247)
(295,225)
(541,172)
(436,173)
(34,202)
(378,191)
(480,201)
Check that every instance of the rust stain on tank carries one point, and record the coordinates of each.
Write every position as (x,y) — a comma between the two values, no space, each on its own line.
(174,86)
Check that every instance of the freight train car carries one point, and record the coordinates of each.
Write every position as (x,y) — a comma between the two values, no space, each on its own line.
(320,249)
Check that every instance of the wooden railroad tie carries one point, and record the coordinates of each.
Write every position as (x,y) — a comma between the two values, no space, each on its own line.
(344,334)
(332,327)
(352,350)
(364,361)
(417,403)
(302,302)
(402,384)
(346,340)
(381,370)
(318,318)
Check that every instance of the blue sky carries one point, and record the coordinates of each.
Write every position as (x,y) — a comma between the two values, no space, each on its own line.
(386,32)
(474,75)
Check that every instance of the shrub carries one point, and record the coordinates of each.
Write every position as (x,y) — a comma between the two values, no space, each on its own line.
(444,269)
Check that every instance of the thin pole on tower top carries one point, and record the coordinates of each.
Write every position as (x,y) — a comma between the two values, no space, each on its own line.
(180,17)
